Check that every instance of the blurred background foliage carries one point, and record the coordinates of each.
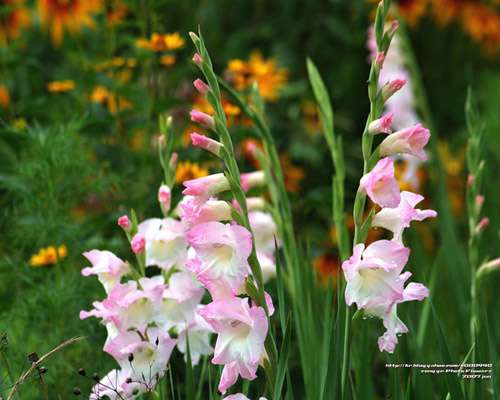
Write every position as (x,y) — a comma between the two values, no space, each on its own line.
(82,83)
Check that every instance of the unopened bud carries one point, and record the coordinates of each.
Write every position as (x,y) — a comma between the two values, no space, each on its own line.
(382,124)
(204,142)
(201,86)
(470,180)
(164,198)
(138,243)
(197,59)
(203,119)
(481,226)
(124,222)
(252,179)
(392,87)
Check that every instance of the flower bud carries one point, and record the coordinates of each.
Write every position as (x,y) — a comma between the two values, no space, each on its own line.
(252,179)
(392,87)
(488,267)
(479,201)
(203,119)
(197,59)
(204,142)
(481,226)
(470,180)
(206,186)
(164,198)
(201,86)
(383,124)
(138,243)
(124,222)
(173,160)
(411,140)
(379,60)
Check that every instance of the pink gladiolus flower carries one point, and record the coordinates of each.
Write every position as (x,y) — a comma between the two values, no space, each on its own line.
(411,140)
(380,185)
(376,285)
(138,242)
(382,124)
(242,330)
(164,198)
(203,119)
(252,179)
(165,242)
(239,396)
(201,86)
(108,268)
(221,251)
(206,186)
(392,87)
(204,142)
(400,217)
(124,222)
(195,210)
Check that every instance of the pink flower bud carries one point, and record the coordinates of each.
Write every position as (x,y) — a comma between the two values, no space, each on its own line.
(201,86)
(470,180)
(383,124)
(203,119)
(197,59)
(394,27)
(173,160)
(479,200)
(481,226)
(204,142)
(124,222)
(138,243)
(206,186)
(379,60)
(252,179)
(392,87)
(164,197)
(410,140)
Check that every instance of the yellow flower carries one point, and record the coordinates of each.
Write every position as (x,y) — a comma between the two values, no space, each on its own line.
(19,124)
(269,78)
(49,256)
(67,15)
(4,97)
(167,60)
(14,16)
(60,86)
(113,102)
(161,42)
(187,170)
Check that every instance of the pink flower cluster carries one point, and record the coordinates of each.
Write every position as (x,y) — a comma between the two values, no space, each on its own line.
(374,274)
(202,248)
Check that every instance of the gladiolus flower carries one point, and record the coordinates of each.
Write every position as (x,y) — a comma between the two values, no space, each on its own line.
(204,142)
(240,396)
(165,243)
(138,242)
(201,86)
(203,119)
(400,217)
(252,179)
(392,87)
(242,330)
(382,124)
(411,140)
(124,222)
(264,230)
(380,185)
(206,186)
(164,198)
(108,268)
(375,283)
(221,262)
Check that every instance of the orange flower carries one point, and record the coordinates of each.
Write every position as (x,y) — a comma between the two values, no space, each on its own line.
(116,12)
(445,11)
(327,265)
(167,60)
(293,174)
(67,15)
(412,10)
(482,23)
(60,86)
(269,78)
(48,256)
(161,42)
(232,111)
(14,16)
(4,97)
(113,102)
